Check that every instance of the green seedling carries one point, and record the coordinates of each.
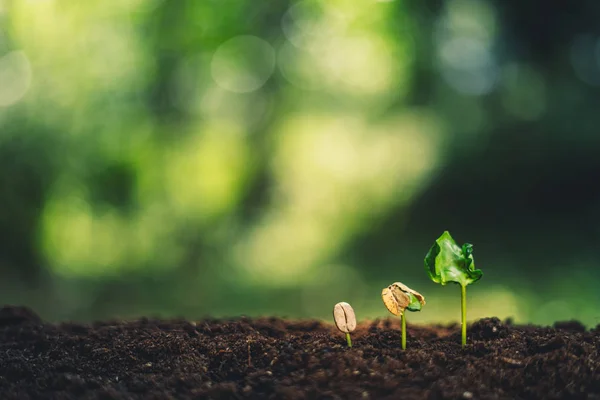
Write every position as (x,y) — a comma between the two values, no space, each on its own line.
(345,320)
(397,298)
(448,262)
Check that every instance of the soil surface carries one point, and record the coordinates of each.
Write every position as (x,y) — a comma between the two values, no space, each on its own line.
(281,359)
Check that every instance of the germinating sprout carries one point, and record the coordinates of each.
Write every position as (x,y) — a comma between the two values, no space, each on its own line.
(397,298)
(446,262)
(345,320)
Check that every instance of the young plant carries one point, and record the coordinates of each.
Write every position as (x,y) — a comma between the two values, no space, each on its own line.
(397,298)
(448,262)
(345,320)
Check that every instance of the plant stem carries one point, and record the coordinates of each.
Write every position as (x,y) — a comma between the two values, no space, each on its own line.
(463,309)
(403,321)
(348,339)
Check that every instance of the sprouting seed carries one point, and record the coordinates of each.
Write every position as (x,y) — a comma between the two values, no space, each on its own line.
(345,320)
(397,298)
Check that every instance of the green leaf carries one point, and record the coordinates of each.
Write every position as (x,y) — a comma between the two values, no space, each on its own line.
(415,304)
(448,262)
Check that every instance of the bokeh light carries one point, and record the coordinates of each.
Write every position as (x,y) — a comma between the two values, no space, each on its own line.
(243,64)
(465,37)
(320,161)
(585,58)
(15,77)
(157,157)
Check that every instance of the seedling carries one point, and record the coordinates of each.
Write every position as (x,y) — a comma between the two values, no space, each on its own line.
(397,298)
(345,320)
(448,262)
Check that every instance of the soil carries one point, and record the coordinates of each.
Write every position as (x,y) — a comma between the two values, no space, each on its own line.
(285,359)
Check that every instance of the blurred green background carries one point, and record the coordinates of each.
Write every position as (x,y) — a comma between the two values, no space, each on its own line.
(260,157)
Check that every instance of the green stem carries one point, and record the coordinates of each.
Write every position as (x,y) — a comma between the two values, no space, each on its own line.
(403,321)
(463,309)
(348,339)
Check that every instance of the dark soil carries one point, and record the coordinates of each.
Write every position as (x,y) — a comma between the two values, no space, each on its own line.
(275,358)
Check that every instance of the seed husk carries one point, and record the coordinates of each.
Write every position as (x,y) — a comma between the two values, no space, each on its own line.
(344,317)
(396,297)
(406,289)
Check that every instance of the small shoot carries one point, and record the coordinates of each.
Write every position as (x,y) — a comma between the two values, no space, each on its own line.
(345,320)
(446,262)
(397,298)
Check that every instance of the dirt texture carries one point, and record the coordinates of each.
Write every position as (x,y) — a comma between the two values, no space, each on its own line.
(271,358)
